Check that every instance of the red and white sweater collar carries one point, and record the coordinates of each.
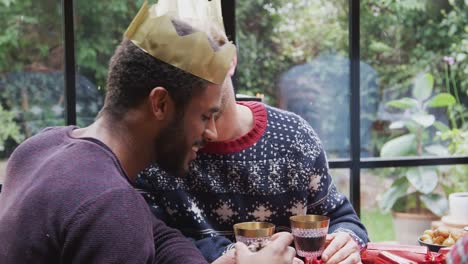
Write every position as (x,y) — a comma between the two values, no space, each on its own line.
(231,146)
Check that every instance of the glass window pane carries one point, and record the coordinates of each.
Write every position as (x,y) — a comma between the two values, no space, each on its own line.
(341,180)
(294,53)
(416,52)
(398,204)
(378,222)
(31,71)
(99,29)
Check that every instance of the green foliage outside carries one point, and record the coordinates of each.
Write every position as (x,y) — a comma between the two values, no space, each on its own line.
(33,29)
(379,225)
(9,128)
(31,60)
(100,28)
(415,142)
(399,39)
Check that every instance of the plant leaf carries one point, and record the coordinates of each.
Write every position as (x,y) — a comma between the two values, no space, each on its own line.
(379,47)
(441,126)
(436,203)
(397,125)
(403,103)
(400,146)
(437,150)
(460,56)
(442,100)
(423,85)
(423,180)
(423,119)
(397,190)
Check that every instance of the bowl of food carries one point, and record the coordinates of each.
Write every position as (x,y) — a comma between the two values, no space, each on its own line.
(432,247)
(438,238)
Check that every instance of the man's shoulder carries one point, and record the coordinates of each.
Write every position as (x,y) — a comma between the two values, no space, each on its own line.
(293,131)
(283,118)
(47,135)
(65,167)
(281,113)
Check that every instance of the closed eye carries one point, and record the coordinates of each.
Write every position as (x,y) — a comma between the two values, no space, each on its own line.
(205,118)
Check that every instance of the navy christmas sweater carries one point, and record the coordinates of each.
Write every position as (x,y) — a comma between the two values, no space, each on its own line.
(277,170)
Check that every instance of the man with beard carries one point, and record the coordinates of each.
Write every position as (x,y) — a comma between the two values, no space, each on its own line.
(68,195)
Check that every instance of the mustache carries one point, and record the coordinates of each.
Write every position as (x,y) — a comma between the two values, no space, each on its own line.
(199,143)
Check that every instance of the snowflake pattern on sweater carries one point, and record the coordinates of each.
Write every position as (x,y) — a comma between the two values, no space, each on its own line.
(282,173)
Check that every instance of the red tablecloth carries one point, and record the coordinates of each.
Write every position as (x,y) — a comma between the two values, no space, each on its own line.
(382,253)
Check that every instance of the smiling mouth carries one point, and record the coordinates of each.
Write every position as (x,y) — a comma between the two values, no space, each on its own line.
(195,148)
(194,152)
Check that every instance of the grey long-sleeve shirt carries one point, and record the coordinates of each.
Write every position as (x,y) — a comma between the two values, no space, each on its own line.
(67,200)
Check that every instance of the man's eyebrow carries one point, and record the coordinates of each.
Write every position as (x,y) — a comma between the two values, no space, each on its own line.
(215,109)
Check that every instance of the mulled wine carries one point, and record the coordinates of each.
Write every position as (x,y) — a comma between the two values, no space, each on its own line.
(309,244)
(309,233)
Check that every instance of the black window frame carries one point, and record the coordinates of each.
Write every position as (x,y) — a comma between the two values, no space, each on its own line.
(355,163)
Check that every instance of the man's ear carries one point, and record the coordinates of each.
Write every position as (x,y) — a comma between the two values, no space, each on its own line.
(232,67)
(160,101)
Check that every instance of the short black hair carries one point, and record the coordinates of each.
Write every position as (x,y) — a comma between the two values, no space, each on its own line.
(133,73)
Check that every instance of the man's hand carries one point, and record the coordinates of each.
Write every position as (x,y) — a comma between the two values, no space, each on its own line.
(228,258)
(341,248)
(277,251)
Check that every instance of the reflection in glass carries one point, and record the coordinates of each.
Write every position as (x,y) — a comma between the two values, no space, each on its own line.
(295,54)
(319,92)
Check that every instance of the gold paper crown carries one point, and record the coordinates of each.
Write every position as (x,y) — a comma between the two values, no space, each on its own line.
(192,53)
(202,13)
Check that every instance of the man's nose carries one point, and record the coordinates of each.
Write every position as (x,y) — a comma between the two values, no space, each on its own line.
(210,133)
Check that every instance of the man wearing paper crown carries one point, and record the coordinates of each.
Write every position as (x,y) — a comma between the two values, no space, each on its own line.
(266,164)
(68,195)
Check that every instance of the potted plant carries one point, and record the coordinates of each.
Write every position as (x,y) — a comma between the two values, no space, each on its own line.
(416,197)
(455,137)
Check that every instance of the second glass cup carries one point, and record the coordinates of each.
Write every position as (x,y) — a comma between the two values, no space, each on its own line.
(309,233)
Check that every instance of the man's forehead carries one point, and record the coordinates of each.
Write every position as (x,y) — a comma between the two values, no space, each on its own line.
(224,96)
(211,98)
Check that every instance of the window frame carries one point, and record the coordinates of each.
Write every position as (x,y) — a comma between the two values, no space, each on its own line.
(355,163)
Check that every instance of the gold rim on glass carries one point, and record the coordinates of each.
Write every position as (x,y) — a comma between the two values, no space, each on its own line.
(254,229)
(309,221)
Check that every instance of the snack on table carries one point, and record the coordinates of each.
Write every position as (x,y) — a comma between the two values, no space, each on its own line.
(441,236)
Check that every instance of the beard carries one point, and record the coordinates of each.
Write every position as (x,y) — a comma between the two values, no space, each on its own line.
(171,149)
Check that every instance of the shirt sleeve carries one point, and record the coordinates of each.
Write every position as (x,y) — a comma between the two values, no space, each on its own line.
(214,247)
(324,198)
(211,247)
(117,227)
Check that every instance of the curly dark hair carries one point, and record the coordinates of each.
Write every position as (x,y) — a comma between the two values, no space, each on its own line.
(133,73)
